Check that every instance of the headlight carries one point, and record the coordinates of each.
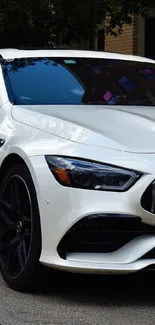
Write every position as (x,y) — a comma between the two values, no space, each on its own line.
(78,173)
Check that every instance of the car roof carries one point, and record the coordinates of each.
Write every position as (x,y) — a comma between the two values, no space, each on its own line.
(10,53)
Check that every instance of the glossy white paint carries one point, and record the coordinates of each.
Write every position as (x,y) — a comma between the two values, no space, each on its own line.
(106,127)
(16,53)
(123,136)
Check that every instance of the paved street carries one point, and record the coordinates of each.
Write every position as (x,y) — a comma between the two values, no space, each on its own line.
(82,300)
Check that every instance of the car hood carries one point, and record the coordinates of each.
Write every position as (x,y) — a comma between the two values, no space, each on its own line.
(130,129)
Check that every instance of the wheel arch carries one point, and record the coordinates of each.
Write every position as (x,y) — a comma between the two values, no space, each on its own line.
(10,161)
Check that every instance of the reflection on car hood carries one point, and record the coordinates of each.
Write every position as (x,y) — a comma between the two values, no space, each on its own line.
(130,129)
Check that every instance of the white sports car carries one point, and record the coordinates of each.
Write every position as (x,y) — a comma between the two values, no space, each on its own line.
(77,163)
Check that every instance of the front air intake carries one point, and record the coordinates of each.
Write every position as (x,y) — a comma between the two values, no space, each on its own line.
(148,198)
(102,234)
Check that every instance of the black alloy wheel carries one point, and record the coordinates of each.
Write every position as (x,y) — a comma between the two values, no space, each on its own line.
(20,234)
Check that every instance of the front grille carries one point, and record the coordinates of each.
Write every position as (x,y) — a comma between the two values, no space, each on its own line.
(102,233)
(150,255)
(146,200)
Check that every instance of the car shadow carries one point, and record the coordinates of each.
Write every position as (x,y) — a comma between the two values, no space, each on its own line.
(136,289)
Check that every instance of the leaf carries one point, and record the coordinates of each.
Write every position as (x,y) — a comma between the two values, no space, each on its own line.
(42,22)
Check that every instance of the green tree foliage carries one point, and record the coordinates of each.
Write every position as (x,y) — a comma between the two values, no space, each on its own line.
(43,22)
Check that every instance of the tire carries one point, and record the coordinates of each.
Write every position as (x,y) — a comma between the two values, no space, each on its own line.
(20,231)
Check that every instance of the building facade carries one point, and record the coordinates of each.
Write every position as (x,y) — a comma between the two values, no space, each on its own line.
(136,39)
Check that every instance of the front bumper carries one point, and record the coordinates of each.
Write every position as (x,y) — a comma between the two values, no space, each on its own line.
(61,208)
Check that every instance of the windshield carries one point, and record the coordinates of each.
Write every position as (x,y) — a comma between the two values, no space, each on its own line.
(76,81)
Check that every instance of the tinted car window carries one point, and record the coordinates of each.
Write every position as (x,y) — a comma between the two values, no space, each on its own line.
(76,81)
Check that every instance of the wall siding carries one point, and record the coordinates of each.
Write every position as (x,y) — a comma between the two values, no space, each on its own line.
(125,43)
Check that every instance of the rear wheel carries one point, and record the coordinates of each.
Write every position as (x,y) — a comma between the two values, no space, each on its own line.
(20,234)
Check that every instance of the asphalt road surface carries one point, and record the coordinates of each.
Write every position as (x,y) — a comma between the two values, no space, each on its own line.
(82,300)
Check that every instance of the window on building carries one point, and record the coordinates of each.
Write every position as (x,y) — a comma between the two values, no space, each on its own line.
(101,40)
(149,37)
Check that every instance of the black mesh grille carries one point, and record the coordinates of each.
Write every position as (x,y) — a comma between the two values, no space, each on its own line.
(149,255)
(146,201)
(102,234)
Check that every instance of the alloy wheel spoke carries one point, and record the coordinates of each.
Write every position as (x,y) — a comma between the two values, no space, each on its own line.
(11,193)
(5,232)
(9,208)
(11,260)
(16,194)
(26,221)
(21,253)
(23,202)
(27,233)
(13,242)
(24,251)
(10,224)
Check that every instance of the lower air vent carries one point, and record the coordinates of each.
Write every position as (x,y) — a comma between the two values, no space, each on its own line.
(149,255)
(102,233)
(148,199)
